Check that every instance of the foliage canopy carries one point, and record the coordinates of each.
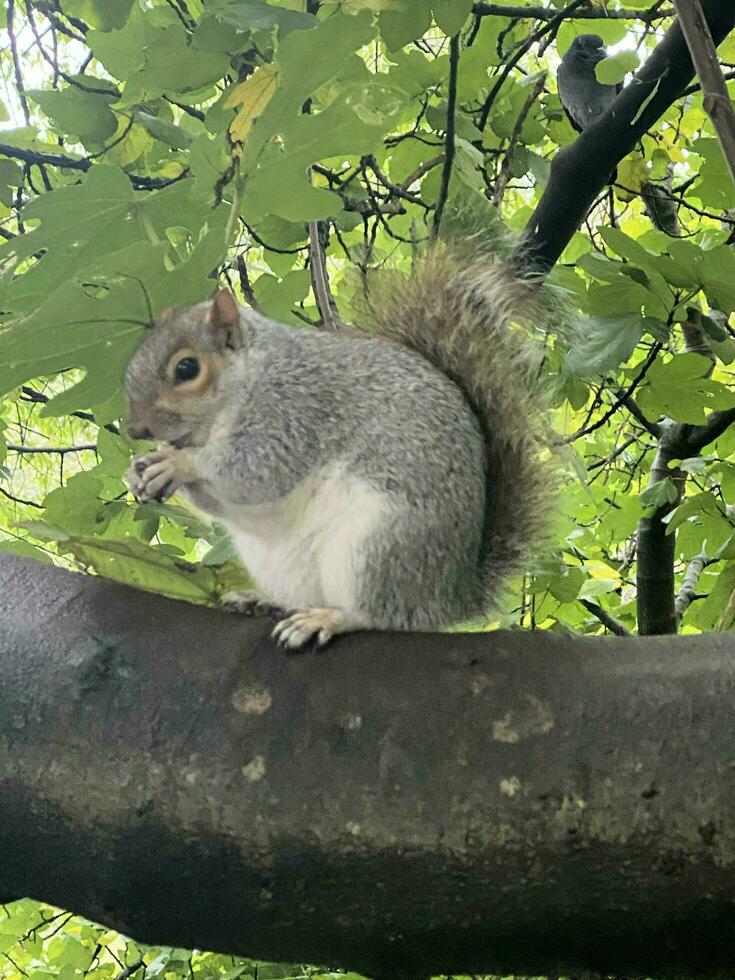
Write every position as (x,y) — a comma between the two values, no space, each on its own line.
(151,147)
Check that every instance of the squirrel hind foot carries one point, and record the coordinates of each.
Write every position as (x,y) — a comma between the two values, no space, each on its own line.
(251,603)
(296,630)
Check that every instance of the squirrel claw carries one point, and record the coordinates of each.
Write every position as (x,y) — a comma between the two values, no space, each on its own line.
(300,627)
(153,476)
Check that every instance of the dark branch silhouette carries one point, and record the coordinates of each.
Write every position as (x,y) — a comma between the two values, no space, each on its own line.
(580,171)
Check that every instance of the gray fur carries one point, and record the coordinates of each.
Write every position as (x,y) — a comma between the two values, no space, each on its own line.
(299,401)
(453,462)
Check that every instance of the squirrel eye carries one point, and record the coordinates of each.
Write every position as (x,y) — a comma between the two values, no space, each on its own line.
(187,369)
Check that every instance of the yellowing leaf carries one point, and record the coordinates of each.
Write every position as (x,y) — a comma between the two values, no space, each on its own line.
(252,95)
(632,173)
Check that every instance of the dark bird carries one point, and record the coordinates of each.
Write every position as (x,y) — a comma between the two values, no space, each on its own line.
(582,96)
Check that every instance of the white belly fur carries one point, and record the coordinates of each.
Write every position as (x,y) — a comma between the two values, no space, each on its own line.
(302,549)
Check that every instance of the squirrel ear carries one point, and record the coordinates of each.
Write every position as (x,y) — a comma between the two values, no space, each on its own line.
(224,320)
(166,313)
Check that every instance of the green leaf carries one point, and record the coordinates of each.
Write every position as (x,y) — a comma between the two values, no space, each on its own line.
(604,342)
(680,389)
(659,494)
(611,31)
(153,569)
(73,111)
(450,15)
(715,187)
(167,132)
(103,14)
(276,297)
(76,507)
(400,27)
(612,70)
(114,453)
(122,51)
(26,550)
(171,65)
(566,585)
(257,15)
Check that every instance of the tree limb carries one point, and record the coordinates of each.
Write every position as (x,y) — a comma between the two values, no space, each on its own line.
(84,163)
(549,13)
(717,103)
(581,170)
(688,591)
(403,805)
(699,436)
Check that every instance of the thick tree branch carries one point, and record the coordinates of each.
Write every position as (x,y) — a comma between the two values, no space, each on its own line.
(404,805)
(699,436)
(717,103)
(580,171)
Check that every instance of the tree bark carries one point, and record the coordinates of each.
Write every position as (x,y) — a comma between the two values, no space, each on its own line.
(399,804)
(717,102)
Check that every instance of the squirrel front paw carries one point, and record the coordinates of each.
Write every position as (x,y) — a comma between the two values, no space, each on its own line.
(155,476)
(300,627)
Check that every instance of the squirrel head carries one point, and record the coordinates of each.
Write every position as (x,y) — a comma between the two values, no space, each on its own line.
(172,380)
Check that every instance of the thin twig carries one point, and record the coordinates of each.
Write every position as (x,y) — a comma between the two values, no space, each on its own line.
(325,302)
(621,399)
(19,500)
(449,145)
(19,86)
(505,169)
(113,92)
(245,284)
(70,163)
(608,621)
(130,970)
(549,13)
(60,450)
(552,24)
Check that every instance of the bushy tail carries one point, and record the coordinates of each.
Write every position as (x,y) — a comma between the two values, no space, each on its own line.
(456,308)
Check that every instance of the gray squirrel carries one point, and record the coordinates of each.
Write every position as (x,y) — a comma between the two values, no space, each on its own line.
(389,478)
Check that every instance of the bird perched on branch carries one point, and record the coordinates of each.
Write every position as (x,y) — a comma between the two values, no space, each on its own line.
(583,98)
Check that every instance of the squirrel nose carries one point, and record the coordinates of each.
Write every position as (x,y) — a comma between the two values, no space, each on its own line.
(138,431)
